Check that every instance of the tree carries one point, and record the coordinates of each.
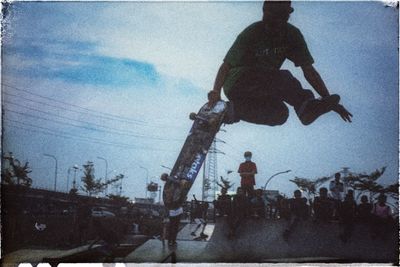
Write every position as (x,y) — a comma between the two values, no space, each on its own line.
(91,185)
(309,186)
(16,173)
(393,190)
(94,186)
(367,183)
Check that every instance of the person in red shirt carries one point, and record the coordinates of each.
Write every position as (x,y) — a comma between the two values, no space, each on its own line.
(247,171)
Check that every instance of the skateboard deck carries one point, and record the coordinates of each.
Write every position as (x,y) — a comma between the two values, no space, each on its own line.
(207,123)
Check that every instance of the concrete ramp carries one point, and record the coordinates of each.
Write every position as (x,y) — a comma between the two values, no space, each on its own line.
(261,241)
(188,250)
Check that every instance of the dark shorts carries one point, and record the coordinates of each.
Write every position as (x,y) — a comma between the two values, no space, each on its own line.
(259,96)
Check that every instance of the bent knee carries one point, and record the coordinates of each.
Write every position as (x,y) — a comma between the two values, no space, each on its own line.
(278,122)
(280,117)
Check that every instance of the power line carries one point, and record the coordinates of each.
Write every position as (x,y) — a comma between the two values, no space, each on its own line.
(90,128)
(91,140)
(94,113)
(67,118)
(74,105)
(60,132)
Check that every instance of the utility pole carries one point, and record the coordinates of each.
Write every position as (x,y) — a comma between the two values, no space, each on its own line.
(210,175)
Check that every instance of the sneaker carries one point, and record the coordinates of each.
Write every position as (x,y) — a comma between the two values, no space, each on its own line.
(203,235)
(230,117)
(316,107)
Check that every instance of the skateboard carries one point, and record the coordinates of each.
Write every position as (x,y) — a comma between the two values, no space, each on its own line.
(207,123)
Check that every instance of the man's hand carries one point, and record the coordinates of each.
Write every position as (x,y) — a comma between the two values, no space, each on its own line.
(213,97)
(344,113)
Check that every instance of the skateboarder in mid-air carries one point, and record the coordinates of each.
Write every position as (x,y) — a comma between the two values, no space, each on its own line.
(255,85)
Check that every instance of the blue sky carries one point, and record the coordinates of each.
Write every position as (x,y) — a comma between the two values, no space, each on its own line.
(150,64)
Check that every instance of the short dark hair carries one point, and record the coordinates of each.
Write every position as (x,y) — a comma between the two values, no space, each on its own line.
(278,7)
(323,189)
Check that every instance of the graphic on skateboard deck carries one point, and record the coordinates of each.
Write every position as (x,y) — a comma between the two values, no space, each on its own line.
(207,123)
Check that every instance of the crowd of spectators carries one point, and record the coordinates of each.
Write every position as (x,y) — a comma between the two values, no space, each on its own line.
(333,207)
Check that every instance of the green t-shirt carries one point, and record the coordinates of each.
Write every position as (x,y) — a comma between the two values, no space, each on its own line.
(255,47)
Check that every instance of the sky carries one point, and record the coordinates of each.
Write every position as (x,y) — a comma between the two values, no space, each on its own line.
(114,82)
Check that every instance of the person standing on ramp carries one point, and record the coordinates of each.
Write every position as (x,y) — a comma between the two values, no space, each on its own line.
(247,171)
(200,217)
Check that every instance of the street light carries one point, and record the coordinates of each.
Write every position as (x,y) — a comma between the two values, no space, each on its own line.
(105,178)
(147,177)
(270,178)
(55,174)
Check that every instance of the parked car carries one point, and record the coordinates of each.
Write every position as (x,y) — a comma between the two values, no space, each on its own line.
(101,212)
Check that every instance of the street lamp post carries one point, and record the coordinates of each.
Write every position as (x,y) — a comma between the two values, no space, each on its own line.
(270,178)
(55,173)
(147,177)
(75,167)
(69,172)
(105,177)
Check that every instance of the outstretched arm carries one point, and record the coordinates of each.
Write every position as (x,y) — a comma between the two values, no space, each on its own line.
(312,76)
(219,82)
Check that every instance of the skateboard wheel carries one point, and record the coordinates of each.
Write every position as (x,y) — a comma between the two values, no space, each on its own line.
(192,116)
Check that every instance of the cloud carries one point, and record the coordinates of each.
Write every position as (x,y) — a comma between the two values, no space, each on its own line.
(76,62)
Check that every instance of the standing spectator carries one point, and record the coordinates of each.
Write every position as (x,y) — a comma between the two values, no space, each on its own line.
(336,187)
(298,212)
(284,208)
(223,203)
(174,216)
(347,214)
(247,171)
(173,226)
(200,217)
(364,210)
(240,207)
(83,221)
(323,206)
(258,205)
(381,217)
